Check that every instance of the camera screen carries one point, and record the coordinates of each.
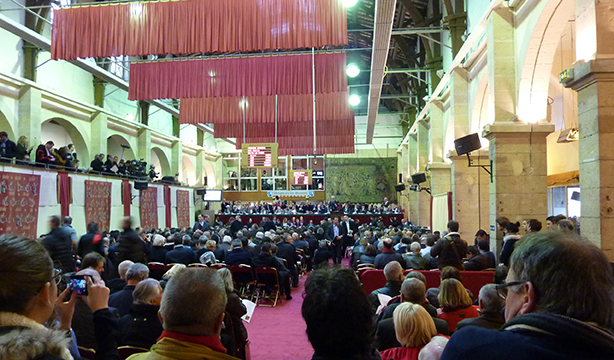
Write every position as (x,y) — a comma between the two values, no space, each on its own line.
(79,285)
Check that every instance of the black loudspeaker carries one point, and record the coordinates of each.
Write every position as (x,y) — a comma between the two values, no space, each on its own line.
(575,195)
(400,178)
(418,178)
(467,144)
(399,187)
(140,185)
(205,181)
(201,191)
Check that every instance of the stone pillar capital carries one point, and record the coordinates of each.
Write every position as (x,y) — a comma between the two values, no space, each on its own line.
(504,129)
(586,73)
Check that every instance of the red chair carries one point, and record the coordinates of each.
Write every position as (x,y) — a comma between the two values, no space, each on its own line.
(218,266)
(126,351)
(156,270)
(87,353)
(267,285)
(244,279)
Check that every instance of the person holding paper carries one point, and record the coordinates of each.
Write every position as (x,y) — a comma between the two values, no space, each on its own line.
(394,279)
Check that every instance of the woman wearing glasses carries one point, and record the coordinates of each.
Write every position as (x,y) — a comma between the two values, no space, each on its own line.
(29,301)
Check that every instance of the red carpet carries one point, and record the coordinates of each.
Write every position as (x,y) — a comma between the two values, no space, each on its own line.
(279,333)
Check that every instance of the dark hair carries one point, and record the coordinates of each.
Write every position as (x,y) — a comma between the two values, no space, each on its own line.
(430,240)
(91,260)
(562,263)
(49,143)
(502,221)
(67,220)
(483,245)
(535,225)
(450,272)
(511,227)
(406,241)
(55,220)
(481,233)
(3,133)
(26,267)
(453,225)
(473,250)
(266,247)
(500,274)
(337,314)
(370,250)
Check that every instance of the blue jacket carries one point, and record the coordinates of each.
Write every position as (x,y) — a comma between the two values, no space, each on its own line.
(239,256)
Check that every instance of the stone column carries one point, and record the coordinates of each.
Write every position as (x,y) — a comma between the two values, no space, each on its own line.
(30,118)
(144,145)
(438,169)
(594,82)
(98,126)
(200,168)
(413,168)
(177,158)
(424,198)
(519,188)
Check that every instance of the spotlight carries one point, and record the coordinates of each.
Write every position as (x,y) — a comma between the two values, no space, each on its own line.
(354,100)
(352,70)
(349,3)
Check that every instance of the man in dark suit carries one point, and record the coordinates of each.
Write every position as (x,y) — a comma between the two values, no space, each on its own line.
(333,205)
(180,254)
(287,251)
(122,300)
(97,165)
(491,310)
(348,238)
(235,226)
(59,246)
(388,255)
(8,149)
(335,236)
(202,224)
(265,259)
(476,261)
(238,255)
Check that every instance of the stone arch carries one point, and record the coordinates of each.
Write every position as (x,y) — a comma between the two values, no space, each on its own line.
(480,113)
(114,147)
(73,135)
(187,175)
(160,160)
(210,173)
(5,123)
(535,75)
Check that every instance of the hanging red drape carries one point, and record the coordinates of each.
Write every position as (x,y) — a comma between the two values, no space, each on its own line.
(64,193)
(196,26)
(126,196)
(238,77)
(167,206)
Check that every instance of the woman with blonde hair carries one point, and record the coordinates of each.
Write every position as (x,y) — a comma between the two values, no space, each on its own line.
(414,328)
(455,303)
(23,149)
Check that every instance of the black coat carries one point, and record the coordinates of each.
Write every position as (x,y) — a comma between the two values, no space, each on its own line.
(157,254)
(287,251)
(59,246)
(202,227)
(131,247)
(221,251)
(140,327)
(239,256)
(122,300)
(267,260)
(9,150)
(180,255)
(384,258)
(97,165)
(450,250)
(487,320)
(477,263)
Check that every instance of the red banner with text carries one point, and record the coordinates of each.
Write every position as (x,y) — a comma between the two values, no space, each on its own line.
(149,208)
(183,209)
(19,194)
(98,203)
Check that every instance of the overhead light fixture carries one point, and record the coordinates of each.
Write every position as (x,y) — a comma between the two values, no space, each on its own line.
(568,135)
(349,3)
(352,70)
(354,100)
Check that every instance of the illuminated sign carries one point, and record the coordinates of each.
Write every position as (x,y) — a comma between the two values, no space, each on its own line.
(259,155)
(300,177)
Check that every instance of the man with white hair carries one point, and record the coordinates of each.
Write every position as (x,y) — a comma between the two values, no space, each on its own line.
(394,279)
(223,248)
(122,300)
(238,255)
(414,260)
(116,285)
(491,307)
(434,349)
(191,330)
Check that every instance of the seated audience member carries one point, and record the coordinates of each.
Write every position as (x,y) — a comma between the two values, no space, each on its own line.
(559,305)
(394,279)
(510,238)
(169,274)
(369,256)
(83,319)
(565,225)
(116,285)
(358,250)
(23,150)
(534,225)
(484,247)
(480,235)
(180,253)
(388,255)
(208,257)
(403,246)
(413,259)
(223,248)
(192,314)
(456,304)
(122,300)
(412,291)
(202,224)
(238,255)
(141,326)
(450,249)
(287,251)
(432,294)
(414,328)
(491,310)
(234,333)
(429,242)
(266,259)
(434,349)
(322,255)
(338,316)
(157,252)
(475,260)
(28,298)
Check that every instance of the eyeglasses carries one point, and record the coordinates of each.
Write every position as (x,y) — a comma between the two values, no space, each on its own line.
(502,289)
(57,276)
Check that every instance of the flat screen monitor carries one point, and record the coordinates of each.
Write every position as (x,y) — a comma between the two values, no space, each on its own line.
(212,195)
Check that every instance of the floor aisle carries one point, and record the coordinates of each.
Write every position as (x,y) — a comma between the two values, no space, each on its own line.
(279,333)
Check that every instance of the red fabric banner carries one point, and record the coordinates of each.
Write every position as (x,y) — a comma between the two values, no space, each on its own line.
(64,193)
(183,209)
(149,208)
(167,206)
(98,203)
(19,194)
(126,196)
(238,77)
(188,27)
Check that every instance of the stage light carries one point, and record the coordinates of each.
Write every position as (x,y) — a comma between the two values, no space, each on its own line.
(354,100)
(349,3)
(352,70)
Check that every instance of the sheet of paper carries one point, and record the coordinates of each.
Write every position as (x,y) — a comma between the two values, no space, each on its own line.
(383,301)
(250,306)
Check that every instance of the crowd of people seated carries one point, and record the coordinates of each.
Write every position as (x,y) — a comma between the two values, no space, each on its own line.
(528,312)
(307,207)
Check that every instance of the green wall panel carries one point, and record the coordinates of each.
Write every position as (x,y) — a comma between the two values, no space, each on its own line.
(366,180)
